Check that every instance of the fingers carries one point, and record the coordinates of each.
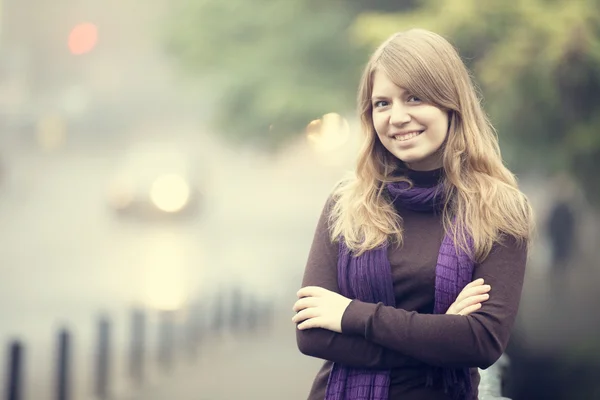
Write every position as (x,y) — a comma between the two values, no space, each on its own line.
(305,302)
(473,291)
(470,298)
(305,314)
(305,308)
(470,301)
(316,322)
(459,307)
(476,282)
(470,309)
(311,291)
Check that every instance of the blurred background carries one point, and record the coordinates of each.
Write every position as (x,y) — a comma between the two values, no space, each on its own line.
(163,165)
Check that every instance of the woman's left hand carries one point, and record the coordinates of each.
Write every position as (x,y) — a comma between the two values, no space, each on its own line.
(320,308)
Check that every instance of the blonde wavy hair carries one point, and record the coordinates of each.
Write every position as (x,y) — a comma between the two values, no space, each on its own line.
(483,200)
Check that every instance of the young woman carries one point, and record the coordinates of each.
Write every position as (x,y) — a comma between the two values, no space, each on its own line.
(395,293)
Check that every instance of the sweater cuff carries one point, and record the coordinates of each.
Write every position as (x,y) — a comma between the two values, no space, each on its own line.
(356,316)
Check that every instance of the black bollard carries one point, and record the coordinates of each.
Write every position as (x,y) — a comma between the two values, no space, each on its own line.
(138,339)
(193,330)
(101,383)
(63,365)
(250,316)
(218,316)
(166,333)
(236,310)
(14,386)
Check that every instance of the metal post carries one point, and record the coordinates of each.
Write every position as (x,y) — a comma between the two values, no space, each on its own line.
(236,312)
(193,331)
(138,338)
(14,386)
(101,389)
(62,377)
(166,335)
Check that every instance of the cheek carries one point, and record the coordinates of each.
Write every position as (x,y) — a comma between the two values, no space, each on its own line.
(445,128)
(379,124)
(442,130)
(439,122)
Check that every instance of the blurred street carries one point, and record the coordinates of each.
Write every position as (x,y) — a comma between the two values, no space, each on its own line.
(65,242)
(241,368)
(163,165)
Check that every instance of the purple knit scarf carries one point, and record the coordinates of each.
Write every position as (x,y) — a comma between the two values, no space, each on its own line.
(368,278)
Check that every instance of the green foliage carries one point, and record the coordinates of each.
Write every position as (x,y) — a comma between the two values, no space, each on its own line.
(273,65)
(380,5)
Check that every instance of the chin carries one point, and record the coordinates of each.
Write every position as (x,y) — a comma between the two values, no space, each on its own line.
(419,164)
(409,160)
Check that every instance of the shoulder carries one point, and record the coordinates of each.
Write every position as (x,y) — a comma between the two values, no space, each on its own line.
(508,248)
(342,191)
(511,242)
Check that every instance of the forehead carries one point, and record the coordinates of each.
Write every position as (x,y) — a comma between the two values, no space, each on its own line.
(384,86)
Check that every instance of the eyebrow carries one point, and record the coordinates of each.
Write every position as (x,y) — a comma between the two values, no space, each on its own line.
(381,97)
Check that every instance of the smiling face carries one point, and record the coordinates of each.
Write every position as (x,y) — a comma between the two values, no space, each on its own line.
(409,128)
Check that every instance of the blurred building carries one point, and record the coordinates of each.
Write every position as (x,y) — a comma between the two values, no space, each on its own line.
(78,68)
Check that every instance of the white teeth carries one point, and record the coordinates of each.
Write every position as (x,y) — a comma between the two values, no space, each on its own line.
(407,136)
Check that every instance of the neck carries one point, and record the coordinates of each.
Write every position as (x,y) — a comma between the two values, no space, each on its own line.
(417,198)
(421,178)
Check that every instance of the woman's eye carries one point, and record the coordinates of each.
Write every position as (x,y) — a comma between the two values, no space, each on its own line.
(380,103)
(413,99)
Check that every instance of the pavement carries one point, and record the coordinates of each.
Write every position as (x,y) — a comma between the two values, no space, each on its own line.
(264,364)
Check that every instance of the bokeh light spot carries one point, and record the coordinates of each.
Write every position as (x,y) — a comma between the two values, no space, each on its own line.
(83,38)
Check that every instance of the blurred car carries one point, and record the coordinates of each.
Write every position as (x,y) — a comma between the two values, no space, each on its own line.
(155,181)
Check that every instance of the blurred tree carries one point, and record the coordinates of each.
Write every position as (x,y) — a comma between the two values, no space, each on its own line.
(538,64)
(381,5)
(271,66)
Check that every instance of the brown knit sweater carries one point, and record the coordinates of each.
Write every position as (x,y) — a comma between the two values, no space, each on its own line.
(409,338)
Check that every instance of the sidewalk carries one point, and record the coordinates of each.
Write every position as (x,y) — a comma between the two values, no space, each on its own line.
(260,366)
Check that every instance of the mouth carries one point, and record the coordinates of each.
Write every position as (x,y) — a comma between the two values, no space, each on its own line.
(406,136)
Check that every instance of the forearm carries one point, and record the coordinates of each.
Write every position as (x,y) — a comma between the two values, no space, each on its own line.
(350,350)
(442,340)
(476,340)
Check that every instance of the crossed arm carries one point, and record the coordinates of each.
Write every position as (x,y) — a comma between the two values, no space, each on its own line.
(376,336)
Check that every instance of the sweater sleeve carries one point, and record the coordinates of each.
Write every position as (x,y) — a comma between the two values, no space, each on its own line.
(350,350)
(475,340)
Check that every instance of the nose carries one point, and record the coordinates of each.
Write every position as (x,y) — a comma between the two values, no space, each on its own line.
(399,115)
